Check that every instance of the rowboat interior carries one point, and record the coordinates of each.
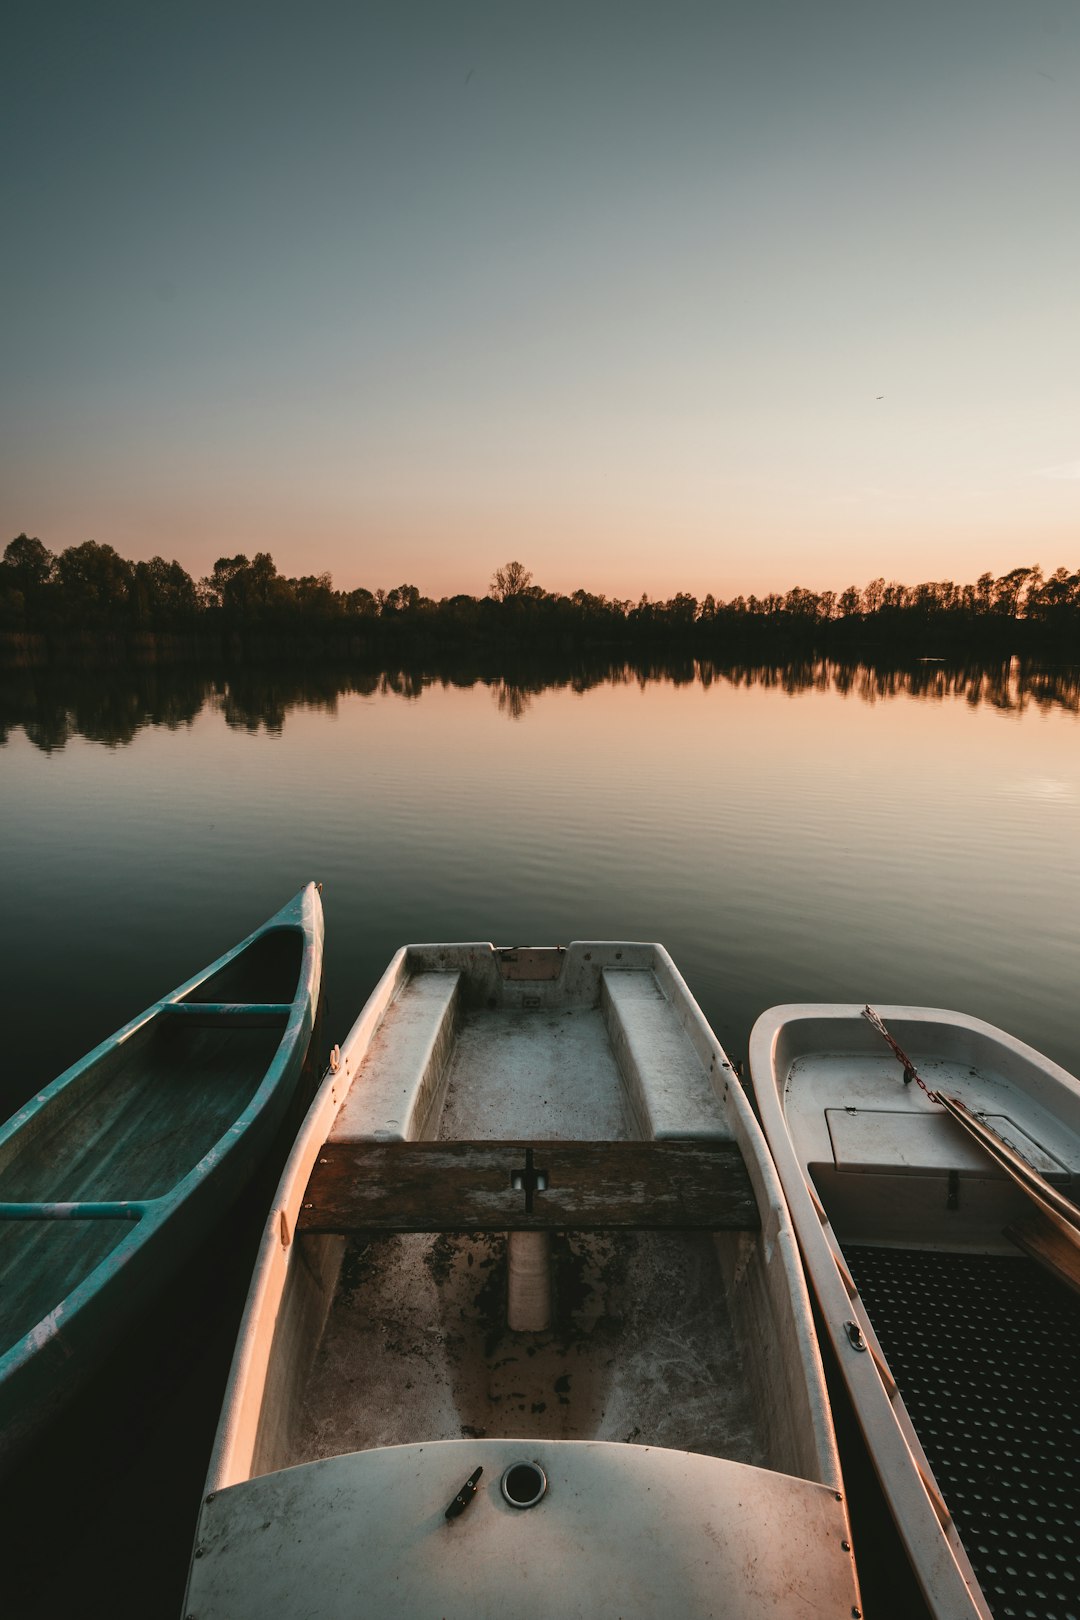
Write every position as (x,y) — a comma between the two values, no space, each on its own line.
(91,1155)
(977,1344)
(529,1220)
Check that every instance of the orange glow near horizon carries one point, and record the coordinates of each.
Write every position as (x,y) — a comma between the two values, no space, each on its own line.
(621,562)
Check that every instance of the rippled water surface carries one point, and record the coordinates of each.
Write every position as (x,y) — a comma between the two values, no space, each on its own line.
(810,834)
(818,833)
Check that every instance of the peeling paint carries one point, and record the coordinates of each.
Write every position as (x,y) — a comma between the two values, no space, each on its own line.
(48,1328)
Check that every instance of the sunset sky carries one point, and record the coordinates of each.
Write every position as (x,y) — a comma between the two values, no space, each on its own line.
(405,290)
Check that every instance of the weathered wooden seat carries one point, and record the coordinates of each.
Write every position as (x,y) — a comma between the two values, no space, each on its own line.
(528,1186)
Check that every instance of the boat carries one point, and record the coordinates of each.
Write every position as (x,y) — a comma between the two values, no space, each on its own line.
(921,1170)
(111,1175)
(527,1331)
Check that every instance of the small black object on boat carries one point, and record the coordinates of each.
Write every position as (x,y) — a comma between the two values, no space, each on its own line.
(464,1496)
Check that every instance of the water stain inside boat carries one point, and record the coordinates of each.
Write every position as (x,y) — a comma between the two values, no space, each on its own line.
(641,1348)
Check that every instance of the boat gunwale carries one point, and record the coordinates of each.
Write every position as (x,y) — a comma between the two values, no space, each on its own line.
(234,1439)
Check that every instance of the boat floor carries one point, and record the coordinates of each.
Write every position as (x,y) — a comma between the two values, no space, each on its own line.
(994,1394)
(642,1349)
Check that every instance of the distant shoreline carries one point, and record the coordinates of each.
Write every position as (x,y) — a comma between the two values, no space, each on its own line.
(267,646)
(91,606)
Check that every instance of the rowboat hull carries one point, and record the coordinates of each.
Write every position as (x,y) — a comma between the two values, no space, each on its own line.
(112,1175)
(528,1220)
(958,1353)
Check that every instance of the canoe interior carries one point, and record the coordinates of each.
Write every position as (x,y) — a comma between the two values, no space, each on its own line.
(983,1344)
(678,1339)
(267,971)
(135,1122)
(42,1261)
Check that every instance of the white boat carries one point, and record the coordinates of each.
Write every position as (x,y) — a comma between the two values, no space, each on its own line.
(528,1331)
(961,1355)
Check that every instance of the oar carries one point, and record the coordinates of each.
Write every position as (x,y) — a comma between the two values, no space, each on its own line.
(1051,1231)
(1053,1243)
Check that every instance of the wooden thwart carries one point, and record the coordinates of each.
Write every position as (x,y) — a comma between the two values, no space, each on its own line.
(528,1186)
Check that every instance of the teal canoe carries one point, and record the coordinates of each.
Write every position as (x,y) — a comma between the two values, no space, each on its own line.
(111,1176)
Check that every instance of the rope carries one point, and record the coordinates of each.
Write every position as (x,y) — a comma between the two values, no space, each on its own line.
(910,1071)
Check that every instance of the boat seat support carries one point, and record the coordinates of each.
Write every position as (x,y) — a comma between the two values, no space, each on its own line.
(490,1186)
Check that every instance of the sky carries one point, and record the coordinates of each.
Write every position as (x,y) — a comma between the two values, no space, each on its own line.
(653,297)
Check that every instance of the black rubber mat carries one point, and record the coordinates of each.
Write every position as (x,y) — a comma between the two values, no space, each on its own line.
(986,1352)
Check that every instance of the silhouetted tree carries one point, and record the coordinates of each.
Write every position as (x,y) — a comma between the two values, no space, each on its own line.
(872,595)
(241,587)
(163,593)
(28,564)
(94,581)
(26,572)
(509,581)
(402,599)
(360,603)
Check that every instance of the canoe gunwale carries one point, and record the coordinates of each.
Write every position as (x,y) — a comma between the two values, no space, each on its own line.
(124,1209)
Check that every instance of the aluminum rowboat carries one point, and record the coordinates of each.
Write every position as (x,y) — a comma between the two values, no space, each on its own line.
(961,1355)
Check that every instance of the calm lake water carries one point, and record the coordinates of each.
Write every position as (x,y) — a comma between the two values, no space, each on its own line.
(809,833)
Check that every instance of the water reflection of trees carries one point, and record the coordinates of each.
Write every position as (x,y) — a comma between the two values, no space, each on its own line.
(52,707)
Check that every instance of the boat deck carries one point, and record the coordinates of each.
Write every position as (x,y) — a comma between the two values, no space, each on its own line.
(994,1395)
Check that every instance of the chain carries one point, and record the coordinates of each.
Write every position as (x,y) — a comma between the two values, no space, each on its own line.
(910,1071)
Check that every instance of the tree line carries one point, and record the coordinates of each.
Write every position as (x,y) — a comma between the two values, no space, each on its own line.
(90,589)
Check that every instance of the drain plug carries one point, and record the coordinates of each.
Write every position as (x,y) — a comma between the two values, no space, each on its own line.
(523,1484)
